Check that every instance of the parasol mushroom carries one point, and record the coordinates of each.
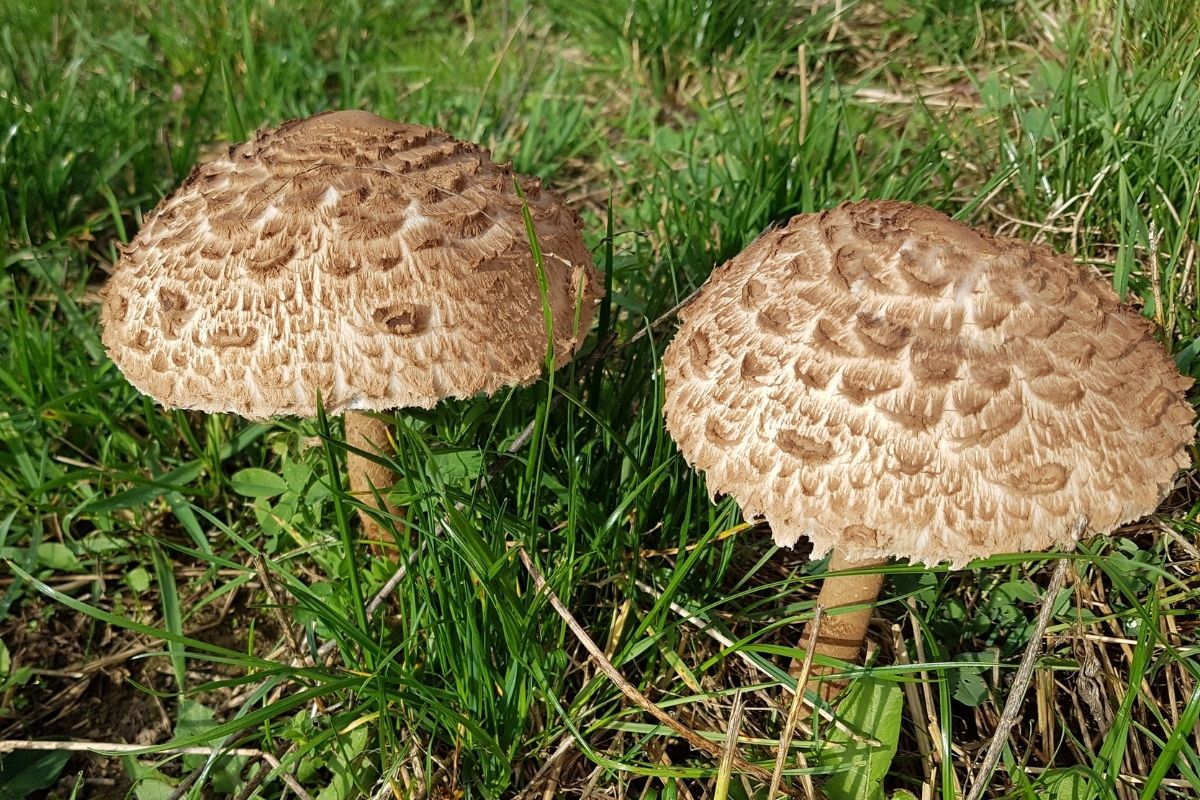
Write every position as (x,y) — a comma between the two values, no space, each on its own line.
(373,264)
(887,382)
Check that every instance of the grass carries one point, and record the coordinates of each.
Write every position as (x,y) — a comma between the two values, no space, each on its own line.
(159,559)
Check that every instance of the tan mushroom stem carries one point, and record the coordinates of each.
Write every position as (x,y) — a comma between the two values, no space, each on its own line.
(369,433)
(842,632)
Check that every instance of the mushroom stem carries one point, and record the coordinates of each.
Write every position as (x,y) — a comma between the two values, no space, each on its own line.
(841,633)
(369,433)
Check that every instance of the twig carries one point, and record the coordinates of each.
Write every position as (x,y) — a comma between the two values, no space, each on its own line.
(1012,706)
(380,596)
(659,320)
(702,625)
(256,780)
(563,748)
(913,698)
(789,725)
(552,782)
(939,98)
(708,629)
(1136,780)
(628,689)
(837,17)
(1183,542)
(288,625)
(725,769)
(674,551)
(391,584)
(1155,235)
(276,762)
(942,747)
(185,785)
(107,748)
(101,664)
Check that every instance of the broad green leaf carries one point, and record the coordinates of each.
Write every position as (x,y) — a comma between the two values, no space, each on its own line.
(1069,786)
(104,543)
(257,482)
(10,677)
(148,783)
(967,682)
(1019,591)
(193,718)
(58,557)
(296,474)
(459,465)
(969,687)
(351,769)
(50,555)
(275,518)
(23,772)
(196,719)
(874,708)
(138,579)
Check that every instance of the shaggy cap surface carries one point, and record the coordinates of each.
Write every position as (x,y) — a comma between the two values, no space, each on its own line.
(377,264)
(884,380)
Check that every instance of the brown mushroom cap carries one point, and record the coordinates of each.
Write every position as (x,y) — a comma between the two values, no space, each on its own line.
(379,264)
(884,380)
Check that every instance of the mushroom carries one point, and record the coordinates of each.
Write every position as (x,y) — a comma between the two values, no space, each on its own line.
(373,264)
(887,382)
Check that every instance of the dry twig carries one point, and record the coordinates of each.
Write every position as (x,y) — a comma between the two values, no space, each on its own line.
(709,630)
(629,690)
(117,748)
(1012,706)
(789,726)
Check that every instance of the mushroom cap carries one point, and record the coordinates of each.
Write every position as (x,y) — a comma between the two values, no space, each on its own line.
(377,264)
(882,379)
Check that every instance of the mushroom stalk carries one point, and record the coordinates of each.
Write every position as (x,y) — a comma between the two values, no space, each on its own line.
(369,433)
(842,633)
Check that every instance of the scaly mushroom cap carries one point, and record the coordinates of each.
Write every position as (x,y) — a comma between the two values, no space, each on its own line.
(885,380)
(378,264)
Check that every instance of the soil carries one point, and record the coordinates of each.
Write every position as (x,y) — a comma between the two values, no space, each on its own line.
(95,683)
